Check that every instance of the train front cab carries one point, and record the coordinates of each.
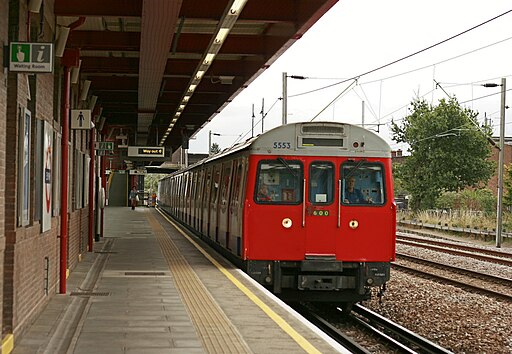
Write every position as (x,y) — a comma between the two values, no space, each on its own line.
(308,236)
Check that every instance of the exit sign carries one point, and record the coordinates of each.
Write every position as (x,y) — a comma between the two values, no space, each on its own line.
(104,145)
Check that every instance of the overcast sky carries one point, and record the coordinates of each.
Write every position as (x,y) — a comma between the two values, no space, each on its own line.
(357,36)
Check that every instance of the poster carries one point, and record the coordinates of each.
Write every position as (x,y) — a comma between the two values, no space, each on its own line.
(46,219)
(24,168)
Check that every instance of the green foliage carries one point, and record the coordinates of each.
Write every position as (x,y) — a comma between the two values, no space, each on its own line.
(215,148)
(507,186)
(447,151)
(468,199)
(151,181)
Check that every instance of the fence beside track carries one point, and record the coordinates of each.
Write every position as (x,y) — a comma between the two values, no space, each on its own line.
(420,228)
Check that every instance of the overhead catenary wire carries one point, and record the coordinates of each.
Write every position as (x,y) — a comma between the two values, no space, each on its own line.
(413,54)
(354,79)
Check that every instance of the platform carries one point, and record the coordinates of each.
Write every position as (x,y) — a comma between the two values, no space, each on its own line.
(150,288)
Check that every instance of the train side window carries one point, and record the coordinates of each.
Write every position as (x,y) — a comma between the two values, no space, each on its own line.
(279,181)
(362,183)
(321,182)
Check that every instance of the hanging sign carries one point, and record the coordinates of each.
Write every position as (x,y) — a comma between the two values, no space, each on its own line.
(81,119)
(31,57)
(146,151)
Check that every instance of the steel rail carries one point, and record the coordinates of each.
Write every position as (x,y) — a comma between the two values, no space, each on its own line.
(496,253)
(465,271)
(481,257)
(375,320)
(330,330)
(453,282)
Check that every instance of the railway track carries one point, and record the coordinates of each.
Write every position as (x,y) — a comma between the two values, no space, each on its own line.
(386,332)
(456,249)
(451,281)
(463,271)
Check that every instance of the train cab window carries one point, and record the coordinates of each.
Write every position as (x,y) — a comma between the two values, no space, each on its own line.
(279,182)
(321,182)
(362,183)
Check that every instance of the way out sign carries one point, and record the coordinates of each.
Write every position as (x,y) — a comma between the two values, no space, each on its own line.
(31,57)
(81,119)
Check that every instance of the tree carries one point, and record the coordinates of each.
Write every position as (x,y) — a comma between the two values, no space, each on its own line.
(448,152)
(151,181)
(214,149)
(507,190)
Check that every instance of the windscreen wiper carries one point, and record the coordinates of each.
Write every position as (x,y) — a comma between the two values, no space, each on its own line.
(283,161)
(355,168)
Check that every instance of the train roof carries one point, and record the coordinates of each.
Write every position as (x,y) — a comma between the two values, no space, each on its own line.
(312,139)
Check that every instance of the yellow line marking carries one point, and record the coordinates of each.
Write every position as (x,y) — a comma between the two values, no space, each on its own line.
(303,342)
(7,344)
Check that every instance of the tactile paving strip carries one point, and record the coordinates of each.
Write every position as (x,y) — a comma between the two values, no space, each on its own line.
(216,331)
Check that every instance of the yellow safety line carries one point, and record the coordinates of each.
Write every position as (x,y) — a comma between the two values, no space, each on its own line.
(7,344)
(303,342)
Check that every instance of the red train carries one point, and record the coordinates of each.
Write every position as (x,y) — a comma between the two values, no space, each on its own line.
(306,209)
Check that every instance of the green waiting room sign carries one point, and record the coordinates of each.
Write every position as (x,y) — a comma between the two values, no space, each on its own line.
(31,57)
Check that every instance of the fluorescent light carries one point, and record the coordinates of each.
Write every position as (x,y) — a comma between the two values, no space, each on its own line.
(199,74)
(182,107)
(237,5)
(174,120)
(178,114)
(192,88)
(223,32)
(209,58)
(186,98)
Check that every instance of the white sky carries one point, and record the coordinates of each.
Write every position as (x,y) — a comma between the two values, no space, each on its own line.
(356,36)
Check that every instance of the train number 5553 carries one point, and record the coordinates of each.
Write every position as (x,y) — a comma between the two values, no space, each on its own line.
(282,145)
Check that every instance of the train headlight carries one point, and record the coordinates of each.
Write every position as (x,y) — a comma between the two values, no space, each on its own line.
(287,223)
(353,224)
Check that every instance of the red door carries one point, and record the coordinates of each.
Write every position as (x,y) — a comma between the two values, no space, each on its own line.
(321,209)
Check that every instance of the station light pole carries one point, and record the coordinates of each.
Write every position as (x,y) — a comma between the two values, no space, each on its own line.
(285,93)
(499,211)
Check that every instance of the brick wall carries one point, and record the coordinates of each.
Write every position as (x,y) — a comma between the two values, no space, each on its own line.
(29,259)
(3,118)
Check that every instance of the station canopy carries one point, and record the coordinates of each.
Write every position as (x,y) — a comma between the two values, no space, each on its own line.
(158,70)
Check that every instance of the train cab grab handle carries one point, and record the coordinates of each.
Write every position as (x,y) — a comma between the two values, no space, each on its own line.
(339,203)
(304,203)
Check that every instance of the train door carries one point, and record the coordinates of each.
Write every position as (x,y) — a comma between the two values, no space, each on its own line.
(198,199)
(321,212)
(367,216)
(275,210)
(223,215)
(233,242)
(214,198)
(205,205)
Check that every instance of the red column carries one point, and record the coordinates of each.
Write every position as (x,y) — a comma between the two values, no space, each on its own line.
(64,183)
(92,173)
(104,185)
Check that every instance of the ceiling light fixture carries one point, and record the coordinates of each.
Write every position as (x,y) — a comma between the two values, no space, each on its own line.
(237,6)
(225,25)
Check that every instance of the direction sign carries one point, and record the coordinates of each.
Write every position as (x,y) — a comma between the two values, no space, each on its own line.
(146,151)
(31,57)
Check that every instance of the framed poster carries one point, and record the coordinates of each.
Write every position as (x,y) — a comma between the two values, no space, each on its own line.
(46,218)
(56,173)
(87,163)
(24,167)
